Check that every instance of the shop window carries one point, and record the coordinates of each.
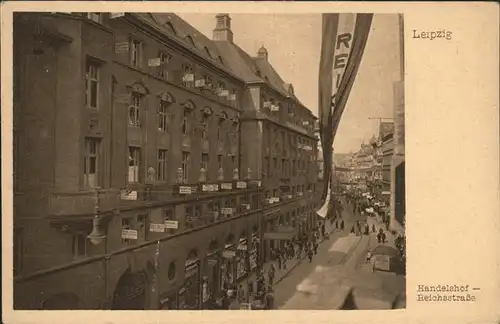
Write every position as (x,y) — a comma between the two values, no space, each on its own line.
(171,271)
(126,225)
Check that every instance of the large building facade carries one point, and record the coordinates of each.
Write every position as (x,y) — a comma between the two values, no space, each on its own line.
(149,171)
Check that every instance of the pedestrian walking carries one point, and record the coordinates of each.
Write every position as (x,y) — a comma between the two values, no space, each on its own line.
(315,248)
(270,274)
(342,225)
(373,228)
(241,294)
(353,230)
(269,299)
(310,255)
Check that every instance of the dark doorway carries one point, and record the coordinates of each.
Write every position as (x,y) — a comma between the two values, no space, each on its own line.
(130,293)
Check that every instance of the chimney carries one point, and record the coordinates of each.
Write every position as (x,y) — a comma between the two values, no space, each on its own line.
(262,53)
(222,31)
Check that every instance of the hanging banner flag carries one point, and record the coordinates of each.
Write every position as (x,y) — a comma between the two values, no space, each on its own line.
(343,42)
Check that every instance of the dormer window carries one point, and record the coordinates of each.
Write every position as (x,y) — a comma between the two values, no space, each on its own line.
(207,51)
(94,16)
(190,41)
(171,28)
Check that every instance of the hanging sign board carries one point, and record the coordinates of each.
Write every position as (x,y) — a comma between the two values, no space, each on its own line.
(171,224)
(129,234)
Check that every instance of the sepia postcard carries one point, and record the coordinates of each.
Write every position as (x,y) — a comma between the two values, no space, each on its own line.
(226,157)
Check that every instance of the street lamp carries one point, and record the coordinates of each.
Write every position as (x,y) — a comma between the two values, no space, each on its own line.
(97,235)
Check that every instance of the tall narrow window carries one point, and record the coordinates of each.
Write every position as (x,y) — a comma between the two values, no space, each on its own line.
(162,165)
(220,137)
(91,163)
(204,124)
(204,161)
(220,164)
(134,163)
(80,245)
(18,250)
(233,162)
(164,65)
(91,85)
(143,225)
(134,111)
(185,165)
(185,121)
(135,52)
(188,77)
(163,116)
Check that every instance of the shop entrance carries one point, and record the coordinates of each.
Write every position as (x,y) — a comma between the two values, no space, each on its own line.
(130,292)
(189,295)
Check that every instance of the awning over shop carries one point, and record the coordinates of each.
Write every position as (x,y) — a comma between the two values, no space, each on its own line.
(283,233)
(242,246)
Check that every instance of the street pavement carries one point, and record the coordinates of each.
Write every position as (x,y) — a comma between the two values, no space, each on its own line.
(341,269)
(287,286)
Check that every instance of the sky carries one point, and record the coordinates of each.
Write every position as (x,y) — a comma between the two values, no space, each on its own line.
(294,42)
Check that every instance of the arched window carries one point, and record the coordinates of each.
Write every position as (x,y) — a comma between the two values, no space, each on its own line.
(188,109)
(166,100)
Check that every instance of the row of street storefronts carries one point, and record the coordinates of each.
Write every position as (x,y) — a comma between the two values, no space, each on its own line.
(207,278)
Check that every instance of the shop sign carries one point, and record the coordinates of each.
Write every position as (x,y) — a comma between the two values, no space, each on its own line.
(171,224)
(226,211)
(121,47)
(157,228)
(129,234)
(228,254)
(183,190)
(209,188)
(194,189)
(128,195)
(191,269)
(226,186)
(241,185)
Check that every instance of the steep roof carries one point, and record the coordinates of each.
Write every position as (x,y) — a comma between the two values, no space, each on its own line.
(270,75)
(239,61)
(178,29)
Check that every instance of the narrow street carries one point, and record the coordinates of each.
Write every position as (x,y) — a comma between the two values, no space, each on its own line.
(285,289)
